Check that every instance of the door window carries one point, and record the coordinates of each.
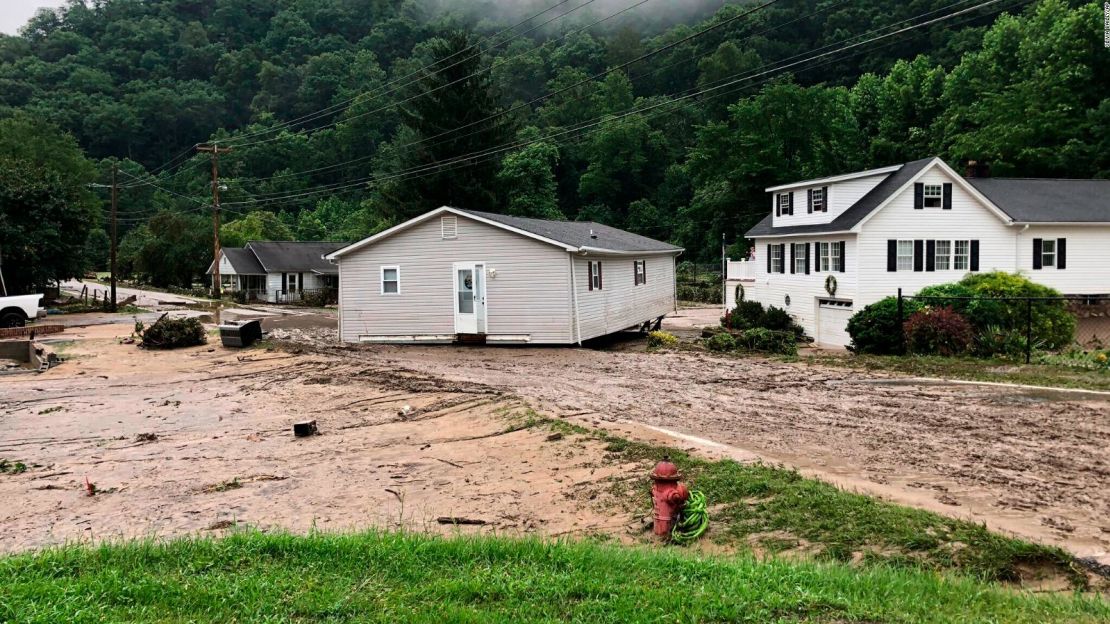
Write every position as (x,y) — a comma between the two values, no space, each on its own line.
(465,286)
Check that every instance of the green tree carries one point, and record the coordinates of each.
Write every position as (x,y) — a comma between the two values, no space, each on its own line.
(258,225)
(527,178)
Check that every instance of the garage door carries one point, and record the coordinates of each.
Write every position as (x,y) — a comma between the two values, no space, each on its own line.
(832,322)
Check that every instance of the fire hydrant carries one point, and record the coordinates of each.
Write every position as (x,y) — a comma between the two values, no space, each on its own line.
(668,496)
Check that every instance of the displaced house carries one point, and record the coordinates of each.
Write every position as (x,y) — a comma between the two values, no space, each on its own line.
(277,271)
(454,274)
(830,246)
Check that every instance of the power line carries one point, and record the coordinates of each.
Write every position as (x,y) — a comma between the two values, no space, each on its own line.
(779,66)
(347,104)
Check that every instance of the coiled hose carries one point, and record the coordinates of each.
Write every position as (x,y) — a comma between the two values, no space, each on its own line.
(693,521)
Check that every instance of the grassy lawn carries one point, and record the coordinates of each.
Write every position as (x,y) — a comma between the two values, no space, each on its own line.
(251,577)
(773,509)
(972,369)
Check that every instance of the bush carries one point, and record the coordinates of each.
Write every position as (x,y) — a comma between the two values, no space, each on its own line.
(938,331)
(777,319)
(769,341)
(700,292)
(1053,325)
(721,342)
(745,315)
(661,340)
(1079,358)
(876,328)
(168,333)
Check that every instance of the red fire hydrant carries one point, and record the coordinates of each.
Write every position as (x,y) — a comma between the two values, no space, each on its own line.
(668,496)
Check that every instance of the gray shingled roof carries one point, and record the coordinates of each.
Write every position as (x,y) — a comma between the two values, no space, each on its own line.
(295,256)
(243,261)
(578,233)
(1047,200)
(854,214)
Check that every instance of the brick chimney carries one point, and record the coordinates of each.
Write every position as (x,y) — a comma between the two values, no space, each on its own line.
(977,169)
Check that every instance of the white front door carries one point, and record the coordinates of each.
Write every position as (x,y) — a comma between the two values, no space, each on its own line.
(470,297)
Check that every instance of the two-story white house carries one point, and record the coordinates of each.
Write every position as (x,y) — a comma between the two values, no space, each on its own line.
(830,246)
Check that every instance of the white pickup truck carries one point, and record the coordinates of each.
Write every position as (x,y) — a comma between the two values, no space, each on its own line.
(16,311)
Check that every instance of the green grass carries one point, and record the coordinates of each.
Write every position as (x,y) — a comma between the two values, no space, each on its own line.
(973,369)
(397,577)
(776,509)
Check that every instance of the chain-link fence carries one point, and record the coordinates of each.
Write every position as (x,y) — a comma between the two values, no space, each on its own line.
(1076,326)
(699,283)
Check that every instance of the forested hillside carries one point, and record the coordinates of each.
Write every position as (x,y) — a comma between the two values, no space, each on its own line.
(346,116)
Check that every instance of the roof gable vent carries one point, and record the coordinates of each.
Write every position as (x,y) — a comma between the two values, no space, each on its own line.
(449,227)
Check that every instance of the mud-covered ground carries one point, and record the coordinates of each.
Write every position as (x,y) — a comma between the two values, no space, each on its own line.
(1033,463)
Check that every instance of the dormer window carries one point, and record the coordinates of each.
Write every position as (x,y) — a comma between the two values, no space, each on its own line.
(933,196)
(818,200)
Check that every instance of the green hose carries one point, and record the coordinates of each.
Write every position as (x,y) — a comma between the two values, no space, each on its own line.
(693,521)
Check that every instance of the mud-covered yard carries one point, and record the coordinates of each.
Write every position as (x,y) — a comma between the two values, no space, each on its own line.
(1033,463)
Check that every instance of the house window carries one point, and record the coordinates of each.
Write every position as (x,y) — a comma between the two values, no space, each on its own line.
(962,255)
(799,257)
(818,202)
(943,255)
(640,268)
(933,196)
(828,257)
(905,255)
(595,276)
(784,203)
(449,227)
(1048,252)
(776,258)
(391,280)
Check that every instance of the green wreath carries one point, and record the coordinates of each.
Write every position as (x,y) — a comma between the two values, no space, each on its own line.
(739,293)
(830,285)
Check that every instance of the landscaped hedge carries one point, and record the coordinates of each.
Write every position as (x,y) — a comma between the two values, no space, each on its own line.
(877,328)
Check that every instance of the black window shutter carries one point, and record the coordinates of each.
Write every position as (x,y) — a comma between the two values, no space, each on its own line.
(284,283)
(947,196)
(782,254)
(892,255)
(635,272)
(824,199)
(843,256)
(792,257)
(919,195)
(807,257)
(1061,253)
(600,283)
(931,255)
(590,275)
(974,255)
(768,259)
(643,278)
(817,256)
(778,206)
(918,255)
(809,200)
(791,202)
(1036,253)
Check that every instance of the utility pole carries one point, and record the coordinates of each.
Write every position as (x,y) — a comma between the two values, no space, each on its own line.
(115,205)
(215,150)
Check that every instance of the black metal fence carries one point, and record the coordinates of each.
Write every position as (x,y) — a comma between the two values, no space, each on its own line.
(311,297)
(699,283)
(1024,326)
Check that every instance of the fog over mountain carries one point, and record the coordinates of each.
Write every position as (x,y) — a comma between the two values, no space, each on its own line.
(649,17)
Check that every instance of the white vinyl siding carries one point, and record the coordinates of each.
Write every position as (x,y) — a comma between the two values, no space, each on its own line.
(621,304)
(529,294)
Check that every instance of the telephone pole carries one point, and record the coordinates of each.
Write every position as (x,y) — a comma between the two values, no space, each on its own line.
(215,150)
(115,205)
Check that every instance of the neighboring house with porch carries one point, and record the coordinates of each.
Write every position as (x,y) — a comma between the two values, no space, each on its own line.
(831,246)
(458,275)
(277,271)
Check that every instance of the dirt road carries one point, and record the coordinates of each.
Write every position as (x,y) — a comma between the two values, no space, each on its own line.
(1034,463)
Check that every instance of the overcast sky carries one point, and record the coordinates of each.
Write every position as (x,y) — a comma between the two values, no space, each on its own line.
(15,13)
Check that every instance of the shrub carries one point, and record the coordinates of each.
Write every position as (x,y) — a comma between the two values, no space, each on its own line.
(169,333)
(661,340)
(769,341)
(721,342)
(938,331)
(777,319)
(875,328)
(745,315)
(1079,358)
(1053,325)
